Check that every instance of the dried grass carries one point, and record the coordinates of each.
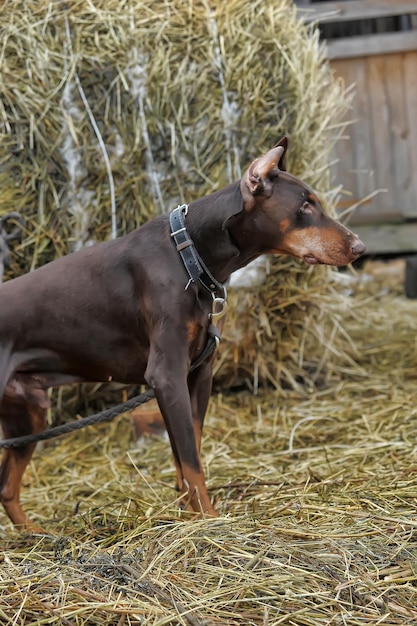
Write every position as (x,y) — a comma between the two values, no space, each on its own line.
(317,497)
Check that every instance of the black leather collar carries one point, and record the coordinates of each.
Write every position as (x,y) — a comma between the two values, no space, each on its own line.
(193,263)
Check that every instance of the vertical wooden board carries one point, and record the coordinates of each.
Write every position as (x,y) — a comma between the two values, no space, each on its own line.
(410,90)
(342,171)
(399,126)
(363,158)
(379,121)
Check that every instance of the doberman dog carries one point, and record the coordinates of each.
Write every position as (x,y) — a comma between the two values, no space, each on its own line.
(137,310)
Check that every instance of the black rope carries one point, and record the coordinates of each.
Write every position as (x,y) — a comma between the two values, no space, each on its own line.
(108,414)
(97,418)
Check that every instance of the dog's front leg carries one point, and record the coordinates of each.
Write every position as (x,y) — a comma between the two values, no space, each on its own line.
(200,383)
(167,375)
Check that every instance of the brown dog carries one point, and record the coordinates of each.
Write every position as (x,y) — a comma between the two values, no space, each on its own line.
(137,309)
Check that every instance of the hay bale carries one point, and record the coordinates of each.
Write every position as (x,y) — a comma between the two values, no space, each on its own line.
(114,112)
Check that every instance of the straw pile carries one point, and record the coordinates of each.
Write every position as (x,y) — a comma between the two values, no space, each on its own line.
(314,482)
(317,497)
(112,113)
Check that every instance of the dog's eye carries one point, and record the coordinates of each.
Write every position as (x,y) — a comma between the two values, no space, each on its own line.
(305,209)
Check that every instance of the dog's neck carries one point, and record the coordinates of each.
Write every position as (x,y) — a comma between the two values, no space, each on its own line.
(211,222)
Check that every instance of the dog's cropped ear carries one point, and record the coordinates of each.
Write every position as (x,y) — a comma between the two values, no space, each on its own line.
(258,178)
(284,143)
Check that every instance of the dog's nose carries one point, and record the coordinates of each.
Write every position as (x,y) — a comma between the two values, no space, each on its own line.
(358,248)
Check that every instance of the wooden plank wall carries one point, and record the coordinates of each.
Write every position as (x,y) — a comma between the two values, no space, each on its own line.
(380,152)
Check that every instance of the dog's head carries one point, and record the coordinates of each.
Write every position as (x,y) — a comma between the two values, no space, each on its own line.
(287,217)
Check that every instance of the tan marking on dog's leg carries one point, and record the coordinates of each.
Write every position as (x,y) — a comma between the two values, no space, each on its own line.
(195,495)
(11,473)
(14,463)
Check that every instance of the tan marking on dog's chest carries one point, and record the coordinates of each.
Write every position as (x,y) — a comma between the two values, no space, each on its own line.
(193,329)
